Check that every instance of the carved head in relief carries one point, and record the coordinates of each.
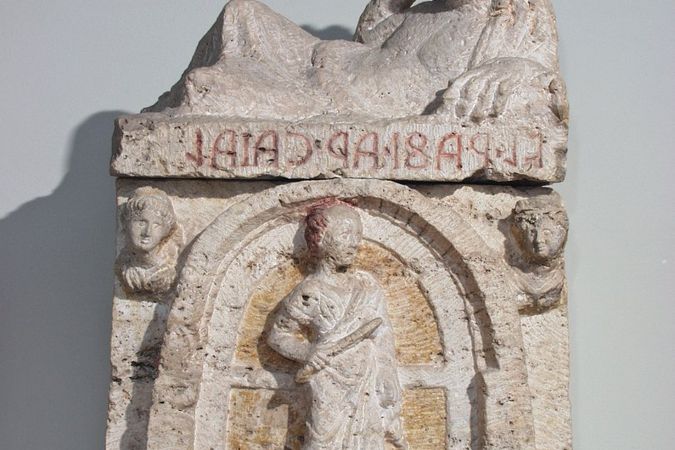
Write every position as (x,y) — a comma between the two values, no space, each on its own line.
(540,226)
(154,239)
(333,232)
(149,218)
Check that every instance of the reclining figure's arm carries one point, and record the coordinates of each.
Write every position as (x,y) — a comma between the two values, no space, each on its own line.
(376,12)
(514,65)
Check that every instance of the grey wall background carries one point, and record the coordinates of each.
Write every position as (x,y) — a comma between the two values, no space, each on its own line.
(69,67)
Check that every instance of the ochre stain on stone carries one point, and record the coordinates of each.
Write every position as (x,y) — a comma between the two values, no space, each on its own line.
(262,419)
(252,347)
(415,329)
(424,417)
(267,419)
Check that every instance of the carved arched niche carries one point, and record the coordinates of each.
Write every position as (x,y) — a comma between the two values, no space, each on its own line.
(457,330)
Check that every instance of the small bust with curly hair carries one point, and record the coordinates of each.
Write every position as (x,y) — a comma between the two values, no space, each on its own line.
(540,226)
(539,230)
(147,263)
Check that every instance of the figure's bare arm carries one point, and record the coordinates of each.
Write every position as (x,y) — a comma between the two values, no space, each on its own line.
(375,13)
(518,29)
(389,7)
(397,6)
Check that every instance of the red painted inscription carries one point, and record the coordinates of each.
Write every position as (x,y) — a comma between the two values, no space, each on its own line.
(378,153)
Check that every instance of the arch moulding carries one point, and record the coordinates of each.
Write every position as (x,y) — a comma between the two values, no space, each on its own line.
(463,280)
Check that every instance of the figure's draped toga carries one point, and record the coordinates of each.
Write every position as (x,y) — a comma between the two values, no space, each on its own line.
(356,399)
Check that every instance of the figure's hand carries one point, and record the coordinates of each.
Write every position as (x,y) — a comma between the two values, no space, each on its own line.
(161,279)
(507,83)
(479,94)
(133,279)
(318,360)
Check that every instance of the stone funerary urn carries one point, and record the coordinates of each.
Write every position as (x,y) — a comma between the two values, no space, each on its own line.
(329,245)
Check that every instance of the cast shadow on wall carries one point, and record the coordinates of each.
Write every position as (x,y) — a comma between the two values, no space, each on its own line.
(331,33)
(57,259)
(135,436)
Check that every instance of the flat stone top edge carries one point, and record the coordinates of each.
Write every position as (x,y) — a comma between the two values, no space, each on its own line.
(351,118)
(132,119)
(414,148)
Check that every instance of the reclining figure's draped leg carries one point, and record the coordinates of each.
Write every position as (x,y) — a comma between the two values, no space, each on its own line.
(241,55)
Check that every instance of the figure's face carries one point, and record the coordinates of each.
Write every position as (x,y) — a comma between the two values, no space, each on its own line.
(541,235)
(342,237)
(147,229)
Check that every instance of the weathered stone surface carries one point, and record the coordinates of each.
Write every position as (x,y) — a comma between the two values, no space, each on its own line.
(440,90)
(468,331)
(420,148)
(345,311)
(148,262)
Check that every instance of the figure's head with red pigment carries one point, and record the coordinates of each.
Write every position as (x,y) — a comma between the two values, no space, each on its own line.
(333,232)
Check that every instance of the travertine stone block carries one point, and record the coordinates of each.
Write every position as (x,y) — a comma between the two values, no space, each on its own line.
(443,90)
(276,288)
(429,148)
(470,294)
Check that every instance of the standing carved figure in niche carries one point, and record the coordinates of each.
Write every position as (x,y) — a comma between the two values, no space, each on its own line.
(335,324)
(539,226)
(147,265)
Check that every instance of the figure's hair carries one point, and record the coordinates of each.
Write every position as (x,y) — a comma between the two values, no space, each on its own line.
(316,221)
(150,198)
(546,205)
